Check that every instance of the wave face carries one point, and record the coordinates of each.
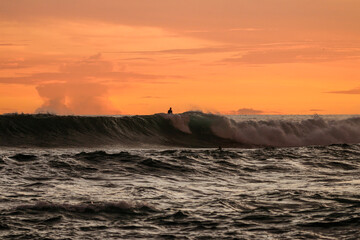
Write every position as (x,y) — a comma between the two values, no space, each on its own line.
(189,129)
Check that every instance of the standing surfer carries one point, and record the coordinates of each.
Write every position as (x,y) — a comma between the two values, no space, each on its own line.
(170,111)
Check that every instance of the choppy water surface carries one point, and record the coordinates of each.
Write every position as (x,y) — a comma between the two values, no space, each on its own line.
(169,192)
(288,193)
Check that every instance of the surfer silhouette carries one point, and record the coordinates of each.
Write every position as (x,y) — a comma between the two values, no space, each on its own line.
(170,111)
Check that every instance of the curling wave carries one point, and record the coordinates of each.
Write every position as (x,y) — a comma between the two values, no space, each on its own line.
(189,129)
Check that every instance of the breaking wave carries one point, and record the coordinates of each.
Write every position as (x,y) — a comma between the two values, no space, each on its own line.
(189,129)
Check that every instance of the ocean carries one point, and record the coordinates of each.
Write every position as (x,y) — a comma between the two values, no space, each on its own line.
(182,176)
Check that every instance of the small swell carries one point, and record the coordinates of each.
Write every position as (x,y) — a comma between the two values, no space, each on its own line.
(121,207)
(350,222)
(102,155)
(24,157)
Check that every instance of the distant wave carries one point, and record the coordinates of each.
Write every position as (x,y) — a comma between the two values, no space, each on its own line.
(189,129)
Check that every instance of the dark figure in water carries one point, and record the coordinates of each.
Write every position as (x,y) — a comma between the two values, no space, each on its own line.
(170,111)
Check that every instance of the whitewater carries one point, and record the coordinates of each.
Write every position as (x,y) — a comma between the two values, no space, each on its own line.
(181,176)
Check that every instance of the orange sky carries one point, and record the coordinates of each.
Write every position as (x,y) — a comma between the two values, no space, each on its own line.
(141,57)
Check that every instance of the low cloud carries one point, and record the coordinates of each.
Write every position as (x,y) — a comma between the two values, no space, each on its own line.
(247,111)
(79,87)
(74,98)
(351,91)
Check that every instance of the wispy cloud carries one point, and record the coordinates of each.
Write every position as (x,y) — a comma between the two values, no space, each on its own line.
(74,76)
(294,55)
(350,91)
(89,69)
(244,29)
(9,64)
(11,45)
(187,51)
(151,97)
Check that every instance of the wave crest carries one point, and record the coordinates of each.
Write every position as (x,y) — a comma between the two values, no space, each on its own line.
(189,129)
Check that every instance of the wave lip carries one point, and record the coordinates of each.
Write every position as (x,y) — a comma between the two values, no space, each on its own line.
(189,129)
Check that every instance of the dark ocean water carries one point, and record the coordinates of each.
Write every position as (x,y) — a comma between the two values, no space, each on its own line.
(162,177)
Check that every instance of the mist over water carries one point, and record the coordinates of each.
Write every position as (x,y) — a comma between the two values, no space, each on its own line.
(162,177)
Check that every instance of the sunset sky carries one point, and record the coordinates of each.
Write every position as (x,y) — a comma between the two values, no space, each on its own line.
(143,56)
